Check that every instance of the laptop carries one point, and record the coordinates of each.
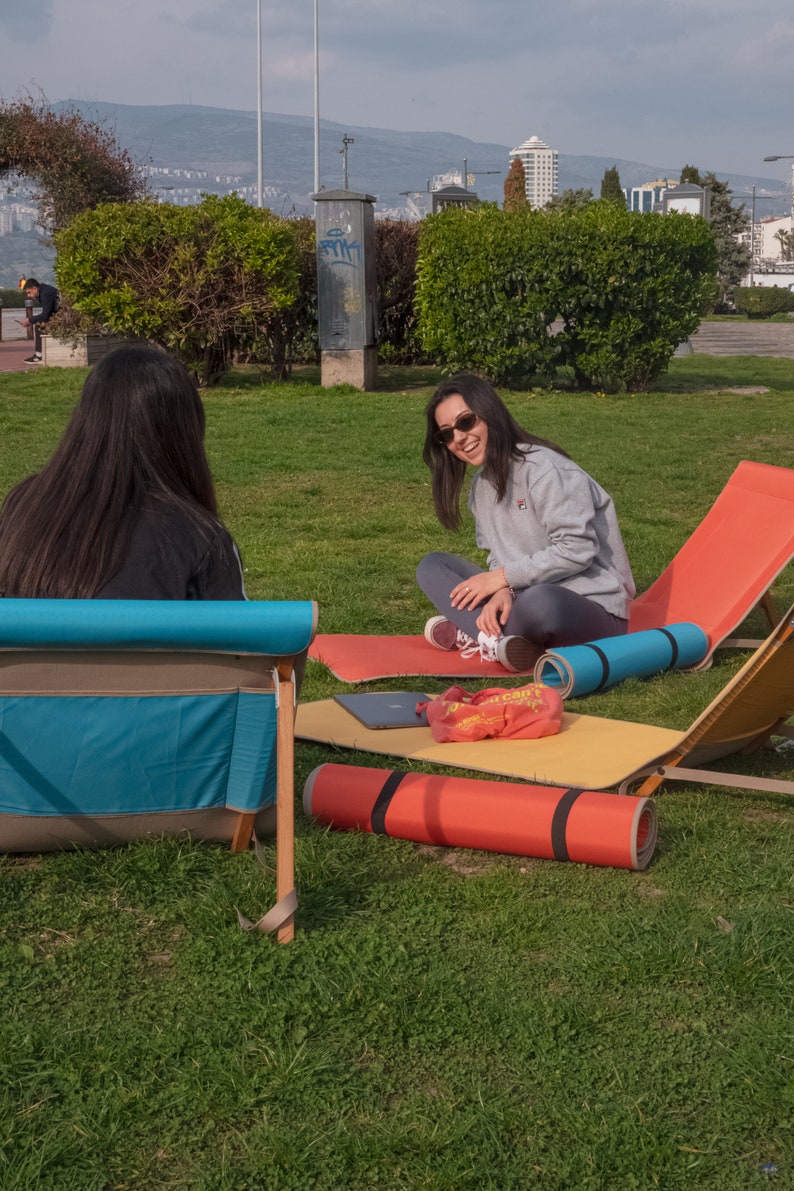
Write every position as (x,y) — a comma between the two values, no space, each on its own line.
(386,709)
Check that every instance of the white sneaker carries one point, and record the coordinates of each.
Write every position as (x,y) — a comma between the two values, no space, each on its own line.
(517,654)
(485,646)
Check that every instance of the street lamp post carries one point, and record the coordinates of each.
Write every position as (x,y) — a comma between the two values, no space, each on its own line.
(752,241)
(316,98)
(259,103)
(346,141)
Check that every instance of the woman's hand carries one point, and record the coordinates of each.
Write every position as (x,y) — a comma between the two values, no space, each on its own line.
(494,615)
(471,592)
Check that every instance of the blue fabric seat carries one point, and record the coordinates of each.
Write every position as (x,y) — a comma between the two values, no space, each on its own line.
(123,717)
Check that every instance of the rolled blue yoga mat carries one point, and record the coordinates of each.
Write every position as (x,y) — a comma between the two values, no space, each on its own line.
(586,669)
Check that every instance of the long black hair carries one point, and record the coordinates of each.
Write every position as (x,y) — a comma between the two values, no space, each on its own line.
(137,432)
(505,439)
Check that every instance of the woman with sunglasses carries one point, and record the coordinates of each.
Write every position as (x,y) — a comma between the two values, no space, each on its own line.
(125,508)
(557,572)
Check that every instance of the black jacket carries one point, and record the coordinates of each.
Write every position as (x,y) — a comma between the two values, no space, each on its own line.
(171,558)
(48,300)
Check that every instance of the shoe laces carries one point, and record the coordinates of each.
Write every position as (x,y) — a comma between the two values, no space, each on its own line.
(485,646)
(464,643)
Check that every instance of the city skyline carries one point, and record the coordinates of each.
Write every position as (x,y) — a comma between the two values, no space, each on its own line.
(672,81)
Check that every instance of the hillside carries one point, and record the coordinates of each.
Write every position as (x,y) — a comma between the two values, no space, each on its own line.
(217,147)
(382,161)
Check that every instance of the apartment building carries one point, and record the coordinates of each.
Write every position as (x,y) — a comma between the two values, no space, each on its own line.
(648,196)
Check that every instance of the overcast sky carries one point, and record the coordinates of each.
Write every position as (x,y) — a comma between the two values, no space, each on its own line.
(667,82)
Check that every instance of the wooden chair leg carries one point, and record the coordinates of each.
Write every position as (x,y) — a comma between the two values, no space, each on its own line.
(243,831)
(768,604)
(285,800)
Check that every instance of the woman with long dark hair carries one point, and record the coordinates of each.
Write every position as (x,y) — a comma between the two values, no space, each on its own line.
(125,508)
(557,569)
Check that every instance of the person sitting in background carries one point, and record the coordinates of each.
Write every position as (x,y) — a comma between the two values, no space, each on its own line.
(45,296)
(557,572)
(125,508)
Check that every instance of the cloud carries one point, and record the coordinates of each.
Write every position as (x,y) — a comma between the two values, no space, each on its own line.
(18,22)
(650,80)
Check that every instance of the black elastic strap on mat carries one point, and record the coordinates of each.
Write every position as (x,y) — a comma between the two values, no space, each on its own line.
(673,647)
(605,664)
(559,822)
(377,819)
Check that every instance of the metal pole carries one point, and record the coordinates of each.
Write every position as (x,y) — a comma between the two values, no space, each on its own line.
(346,140)
(752,241)
(259,103)
(316,98)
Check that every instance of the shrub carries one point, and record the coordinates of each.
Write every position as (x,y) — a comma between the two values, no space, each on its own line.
(632,287)
(629,288)
(12,299)
(288,335)
(396,249)
(761,301)
(200,281)
(484,295)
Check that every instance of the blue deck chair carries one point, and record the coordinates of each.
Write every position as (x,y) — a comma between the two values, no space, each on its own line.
(120,718)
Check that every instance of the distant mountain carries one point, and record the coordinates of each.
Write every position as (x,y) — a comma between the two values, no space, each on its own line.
(217,148)
(381,161)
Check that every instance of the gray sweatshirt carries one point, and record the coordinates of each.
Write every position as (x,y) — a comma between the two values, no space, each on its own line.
(555,525)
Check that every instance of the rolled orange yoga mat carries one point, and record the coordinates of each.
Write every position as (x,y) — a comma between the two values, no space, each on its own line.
(542,821)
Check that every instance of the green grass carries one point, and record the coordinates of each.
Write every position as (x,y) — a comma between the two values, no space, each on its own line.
(445,1019)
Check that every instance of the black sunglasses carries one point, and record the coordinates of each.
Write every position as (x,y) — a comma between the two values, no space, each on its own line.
(464,423)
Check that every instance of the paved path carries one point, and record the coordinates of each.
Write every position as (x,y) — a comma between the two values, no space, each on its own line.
(12,355)
(744,338)
(14,345)
(10,323)
(759,338)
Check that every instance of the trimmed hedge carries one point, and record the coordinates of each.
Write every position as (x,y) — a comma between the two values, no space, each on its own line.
(12,299)
(628,287)
(761,301)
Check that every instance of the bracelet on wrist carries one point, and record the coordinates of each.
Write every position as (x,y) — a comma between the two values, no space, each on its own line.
(507,585)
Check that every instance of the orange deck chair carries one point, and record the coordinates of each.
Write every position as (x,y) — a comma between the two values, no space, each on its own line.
(729,563)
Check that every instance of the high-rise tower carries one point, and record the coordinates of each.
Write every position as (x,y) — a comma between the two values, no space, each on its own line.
(540,170)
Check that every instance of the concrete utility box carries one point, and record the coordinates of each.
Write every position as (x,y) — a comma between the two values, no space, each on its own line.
(346,291)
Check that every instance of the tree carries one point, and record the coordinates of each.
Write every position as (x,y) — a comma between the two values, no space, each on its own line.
(727,222)
(201,281)
(786,241)
(515,191)
(569,200)
(611,190)
(74,164)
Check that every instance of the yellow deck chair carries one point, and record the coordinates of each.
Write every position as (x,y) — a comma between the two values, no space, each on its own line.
(597,753)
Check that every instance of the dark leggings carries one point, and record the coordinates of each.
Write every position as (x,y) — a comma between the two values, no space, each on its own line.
(548,613)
